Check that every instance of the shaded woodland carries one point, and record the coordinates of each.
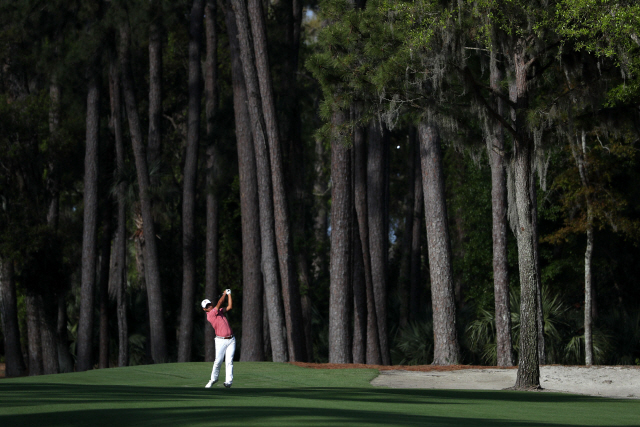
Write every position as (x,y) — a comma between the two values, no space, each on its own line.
(410,182)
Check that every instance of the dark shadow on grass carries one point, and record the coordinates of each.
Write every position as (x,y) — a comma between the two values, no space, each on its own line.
(120,406)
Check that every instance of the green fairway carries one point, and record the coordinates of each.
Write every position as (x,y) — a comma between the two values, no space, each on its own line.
(273,394)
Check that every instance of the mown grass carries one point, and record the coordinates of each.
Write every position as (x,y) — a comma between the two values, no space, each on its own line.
(273,394)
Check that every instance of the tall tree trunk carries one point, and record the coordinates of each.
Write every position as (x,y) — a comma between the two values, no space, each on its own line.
(528,364)
(504,346)
(105,261)
(155,90)
(284,241)
(252,344)
(48,337)
(265,194)
(579,151)
(65,360)
(119,271)
(152,272)
(320,223)
(533,194)
(446,349)
(54,174)
(405,257)
(359,345)
(340,274)
(296,164)
(588,292)
(33,335)
(373,356)
(376,204)
(211,105)
(416,284)
(90,228)
(189,184)
(14,364)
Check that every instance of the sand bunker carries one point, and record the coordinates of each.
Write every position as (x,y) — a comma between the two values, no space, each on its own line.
(603,381)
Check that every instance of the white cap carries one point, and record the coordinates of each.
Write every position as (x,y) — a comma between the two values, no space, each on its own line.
(204,303)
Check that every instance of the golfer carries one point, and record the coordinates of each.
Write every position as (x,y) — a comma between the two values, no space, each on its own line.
(225,341)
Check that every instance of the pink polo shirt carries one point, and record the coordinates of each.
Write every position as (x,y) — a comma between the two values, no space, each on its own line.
(219,322)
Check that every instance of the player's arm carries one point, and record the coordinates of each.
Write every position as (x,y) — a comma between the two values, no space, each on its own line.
(220,301)
(229,300)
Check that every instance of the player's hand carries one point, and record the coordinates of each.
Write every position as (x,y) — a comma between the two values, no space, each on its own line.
(228,291)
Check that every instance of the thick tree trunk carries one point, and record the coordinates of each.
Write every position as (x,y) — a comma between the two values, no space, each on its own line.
(378,235)
(284,242)
(119,270)
(34,347)
(155,90)
(252,289)
(373,356)
(185,336)
(48,338)
(211,105)
(152,272)
(90,229)
(533,194)
(265,196)
(14,363)
(528,364)
(340,274)
(446,349)
(504,346)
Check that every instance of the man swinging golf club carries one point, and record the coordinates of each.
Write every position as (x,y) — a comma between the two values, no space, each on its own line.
(225,341)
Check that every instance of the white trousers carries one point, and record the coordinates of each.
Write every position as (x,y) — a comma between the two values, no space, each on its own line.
(225,349)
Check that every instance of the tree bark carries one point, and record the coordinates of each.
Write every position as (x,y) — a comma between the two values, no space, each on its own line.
(373,356)
(341,209)
(211,105)
(528,364)
(359,345)
(504,346)
(152,273)
(320,222)
(416,240)
(119,271)
(105,258)
(407,235)
(265,196)
(65,360)
(579,151)
(533,194)
(33,335)
(284,242)
(155,90)
(14,363)
(378,235)
(185,335)
(446,348)
(48,338)
(253,346)
(90,229)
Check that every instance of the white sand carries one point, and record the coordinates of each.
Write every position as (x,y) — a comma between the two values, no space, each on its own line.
(604,381)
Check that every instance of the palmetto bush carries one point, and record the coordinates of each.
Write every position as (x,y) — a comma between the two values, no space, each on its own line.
(414,344)
(481,335)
